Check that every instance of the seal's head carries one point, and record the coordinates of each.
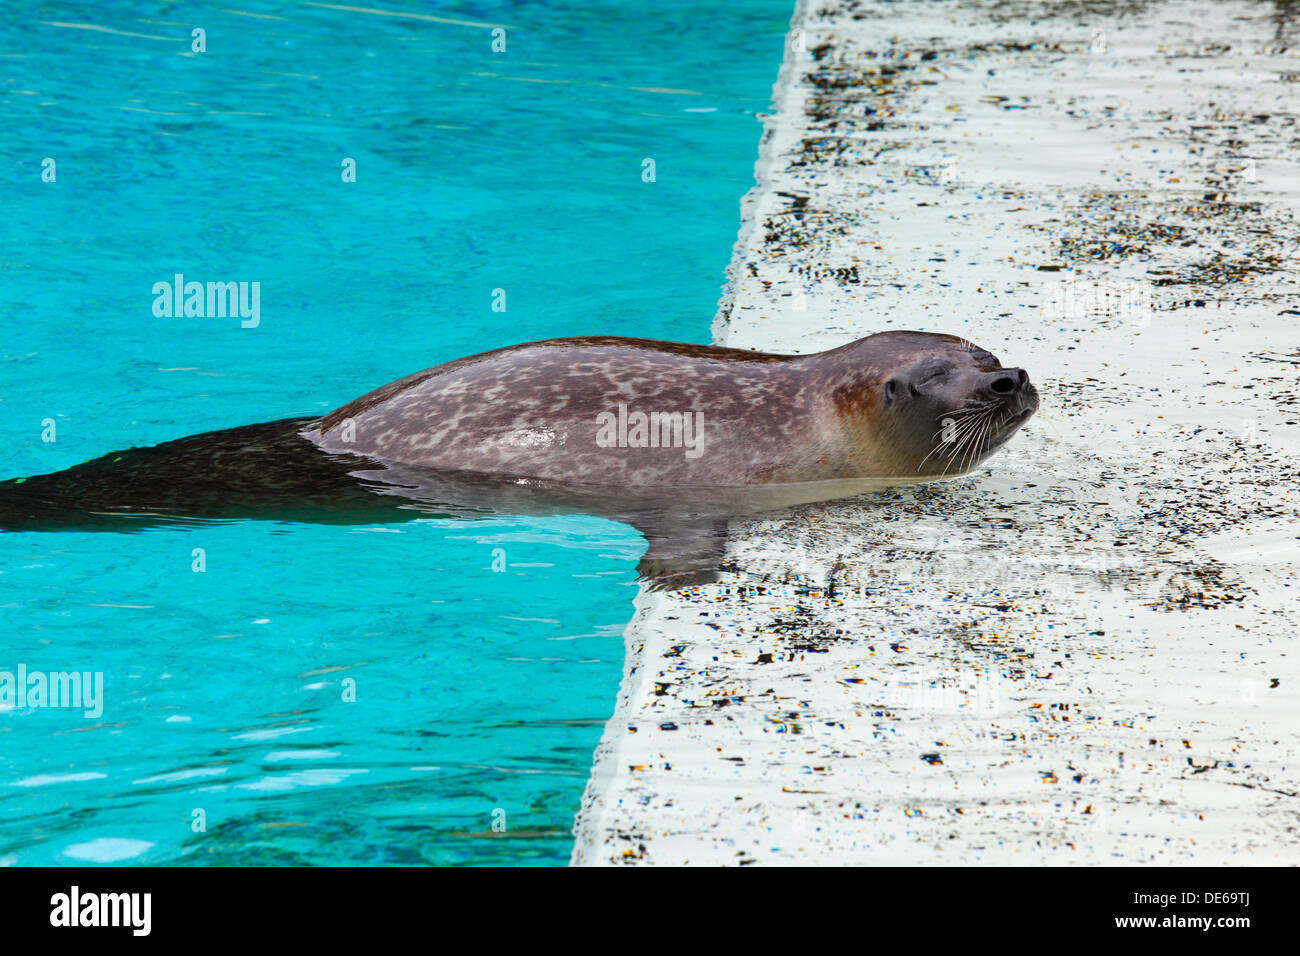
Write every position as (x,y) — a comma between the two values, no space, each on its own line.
(939,404)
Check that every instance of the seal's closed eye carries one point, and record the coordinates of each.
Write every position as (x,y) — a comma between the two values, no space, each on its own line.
(931,374)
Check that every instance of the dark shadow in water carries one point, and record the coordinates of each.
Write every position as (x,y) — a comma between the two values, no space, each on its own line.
(269,472)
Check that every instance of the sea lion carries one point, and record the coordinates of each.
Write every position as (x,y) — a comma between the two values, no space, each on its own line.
(670,437)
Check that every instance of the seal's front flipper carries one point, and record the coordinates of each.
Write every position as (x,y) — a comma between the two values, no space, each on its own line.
(682,551)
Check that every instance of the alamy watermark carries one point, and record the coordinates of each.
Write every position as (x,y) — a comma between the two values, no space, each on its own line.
(208,300)
(79,690)
(948,694)
(1076,299)
(75,908)
(635,429)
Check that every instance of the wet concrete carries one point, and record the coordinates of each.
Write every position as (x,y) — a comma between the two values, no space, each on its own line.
(1085,652)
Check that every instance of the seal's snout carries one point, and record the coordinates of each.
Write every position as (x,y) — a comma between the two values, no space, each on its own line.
(1006,382)
(1011,388)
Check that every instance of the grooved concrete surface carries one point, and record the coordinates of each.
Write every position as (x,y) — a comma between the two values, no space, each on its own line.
(1085,652)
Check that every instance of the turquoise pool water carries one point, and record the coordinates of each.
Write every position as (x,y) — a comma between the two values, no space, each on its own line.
(335,695)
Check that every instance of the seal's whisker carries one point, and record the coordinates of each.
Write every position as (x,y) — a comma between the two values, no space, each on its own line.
(972,427)
(966,435)
(981,443)
(957,427)
(978,435)
(927,457)
(946,418)
(954,426)
(985,438)
(971,445)
(972,407)
(953,444)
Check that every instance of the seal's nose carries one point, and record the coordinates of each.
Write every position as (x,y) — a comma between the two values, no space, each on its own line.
(1007,381)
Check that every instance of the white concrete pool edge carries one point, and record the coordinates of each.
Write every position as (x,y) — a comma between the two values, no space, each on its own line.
(1092,677)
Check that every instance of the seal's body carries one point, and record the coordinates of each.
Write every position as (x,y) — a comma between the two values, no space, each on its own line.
(629,413)
(648,432)
(640,414)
